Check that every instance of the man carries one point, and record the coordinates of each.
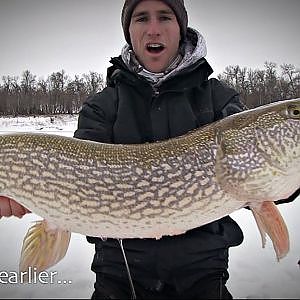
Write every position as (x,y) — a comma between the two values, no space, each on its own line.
(157,89)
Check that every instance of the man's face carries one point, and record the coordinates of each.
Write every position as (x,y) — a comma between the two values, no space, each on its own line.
(155,34)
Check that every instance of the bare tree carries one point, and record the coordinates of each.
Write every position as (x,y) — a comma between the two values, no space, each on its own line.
(57,86)
(28,90)
(271,82)
(93,82)
(292,77)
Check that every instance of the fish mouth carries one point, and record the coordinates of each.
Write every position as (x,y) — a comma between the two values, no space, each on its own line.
(155,48)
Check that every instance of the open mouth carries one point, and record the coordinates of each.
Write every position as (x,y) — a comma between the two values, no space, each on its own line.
(155,48)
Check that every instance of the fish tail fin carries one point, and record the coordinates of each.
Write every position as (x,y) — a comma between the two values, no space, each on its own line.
(43,246)
(271,223)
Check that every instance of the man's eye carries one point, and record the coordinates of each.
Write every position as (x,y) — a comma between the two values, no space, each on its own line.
(141,19)
(165,18)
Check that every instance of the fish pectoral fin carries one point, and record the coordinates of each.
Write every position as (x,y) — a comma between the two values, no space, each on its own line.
(271,223)
(43,246)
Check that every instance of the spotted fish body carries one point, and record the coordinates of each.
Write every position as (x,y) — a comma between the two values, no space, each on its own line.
(120,191)
(155,189)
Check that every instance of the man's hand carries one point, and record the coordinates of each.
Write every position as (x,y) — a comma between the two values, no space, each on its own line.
(9,207)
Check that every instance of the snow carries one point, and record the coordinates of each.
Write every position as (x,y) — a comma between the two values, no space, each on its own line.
(254,272)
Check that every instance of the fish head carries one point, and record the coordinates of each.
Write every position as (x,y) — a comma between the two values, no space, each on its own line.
(277,134)
(258,158)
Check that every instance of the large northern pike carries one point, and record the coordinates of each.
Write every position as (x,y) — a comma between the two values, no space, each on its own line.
(164,188)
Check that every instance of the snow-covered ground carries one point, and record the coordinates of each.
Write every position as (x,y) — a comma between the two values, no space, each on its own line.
(254,272)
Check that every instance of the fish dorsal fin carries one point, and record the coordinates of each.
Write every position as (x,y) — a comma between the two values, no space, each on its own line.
(271,223)
(43,246)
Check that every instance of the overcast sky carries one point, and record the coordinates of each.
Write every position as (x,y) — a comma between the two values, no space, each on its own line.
(45,36)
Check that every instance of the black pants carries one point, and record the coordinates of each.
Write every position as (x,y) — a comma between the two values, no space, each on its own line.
(189,266)
(212,287)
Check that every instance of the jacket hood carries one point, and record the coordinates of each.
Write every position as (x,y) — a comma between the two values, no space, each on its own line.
(190,52)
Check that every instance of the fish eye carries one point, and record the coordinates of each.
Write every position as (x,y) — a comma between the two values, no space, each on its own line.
(293,112)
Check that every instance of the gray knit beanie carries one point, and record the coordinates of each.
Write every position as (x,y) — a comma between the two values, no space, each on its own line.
(176,5)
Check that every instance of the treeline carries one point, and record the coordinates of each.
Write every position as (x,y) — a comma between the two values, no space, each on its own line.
(57,94)
(61,94)
(259,87)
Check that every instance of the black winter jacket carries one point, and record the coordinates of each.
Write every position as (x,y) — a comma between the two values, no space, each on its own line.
(130,110)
